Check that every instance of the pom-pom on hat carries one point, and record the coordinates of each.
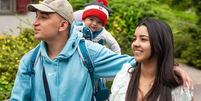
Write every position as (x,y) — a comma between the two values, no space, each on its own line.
(97,8)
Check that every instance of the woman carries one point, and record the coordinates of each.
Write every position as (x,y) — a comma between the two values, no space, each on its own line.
(153,78)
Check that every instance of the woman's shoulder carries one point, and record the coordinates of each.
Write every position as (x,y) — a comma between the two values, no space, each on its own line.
(179,94)
(124,72)
(120,83)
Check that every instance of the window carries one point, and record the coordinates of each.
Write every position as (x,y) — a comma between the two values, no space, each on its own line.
(7,6)
(13,6)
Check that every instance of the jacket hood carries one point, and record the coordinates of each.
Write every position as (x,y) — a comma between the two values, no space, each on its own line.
(70,46)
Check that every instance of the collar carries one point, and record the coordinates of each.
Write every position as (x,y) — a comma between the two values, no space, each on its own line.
(69,47)
(95,34)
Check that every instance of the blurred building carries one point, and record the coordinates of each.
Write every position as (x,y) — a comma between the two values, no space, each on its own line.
(8,11)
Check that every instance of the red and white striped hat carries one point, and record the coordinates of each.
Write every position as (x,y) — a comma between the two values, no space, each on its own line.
(98,9)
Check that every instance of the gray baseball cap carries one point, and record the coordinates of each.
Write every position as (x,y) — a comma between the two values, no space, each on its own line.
(62,7)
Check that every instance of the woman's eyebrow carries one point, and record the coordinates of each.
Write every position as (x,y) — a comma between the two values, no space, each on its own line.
(144,36)
(141,36)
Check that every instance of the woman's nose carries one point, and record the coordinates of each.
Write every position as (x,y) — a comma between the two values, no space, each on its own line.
(136,43)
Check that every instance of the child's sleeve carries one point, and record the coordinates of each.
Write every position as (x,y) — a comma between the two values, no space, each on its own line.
(112,43)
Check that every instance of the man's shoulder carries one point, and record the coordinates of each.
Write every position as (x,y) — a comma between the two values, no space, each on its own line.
(93,46)
(97,49)
(26,58)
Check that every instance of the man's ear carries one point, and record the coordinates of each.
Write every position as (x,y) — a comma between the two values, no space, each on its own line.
(64,25)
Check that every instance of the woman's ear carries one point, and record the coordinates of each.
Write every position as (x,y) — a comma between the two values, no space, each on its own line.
(64,25)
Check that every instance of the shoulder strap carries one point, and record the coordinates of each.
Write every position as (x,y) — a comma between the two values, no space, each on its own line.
(31,71)
(32,62)
(87,34)
(86,59)
(79,25)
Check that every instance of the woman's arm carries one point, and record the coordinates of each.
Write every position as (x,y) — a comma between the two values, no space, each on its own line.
(185,77)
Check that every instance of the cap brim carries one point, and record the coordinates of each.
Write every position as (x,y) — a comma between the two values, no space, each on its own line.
(41,7)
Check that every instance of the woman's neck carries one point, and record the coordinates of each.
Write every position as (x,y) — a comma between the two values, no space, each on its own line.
(147,77)
(148,70)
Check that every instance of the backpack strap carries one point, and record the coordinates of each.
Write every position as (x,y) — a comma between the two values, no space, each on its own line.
(79,25)
(31,71)
(86,59)
(87,34)
(32,62)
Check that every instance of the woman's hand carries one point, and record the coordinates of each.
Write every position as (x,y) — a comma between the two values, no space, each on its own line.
(185,78)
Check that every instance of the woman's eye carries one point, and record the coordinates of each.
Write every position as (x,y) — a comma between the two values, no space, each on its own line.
(144,39)
(91,19)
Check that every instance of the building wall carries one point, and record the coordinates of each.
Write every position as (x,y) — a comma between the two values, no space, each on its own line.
(11,21)
(8,20)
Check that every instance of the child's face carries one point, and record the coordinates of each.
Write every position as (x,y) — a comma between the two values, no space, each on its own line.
(94,23)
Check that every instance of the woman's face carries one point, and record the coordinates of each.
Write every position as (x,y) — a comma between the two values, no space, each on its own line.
(141,45)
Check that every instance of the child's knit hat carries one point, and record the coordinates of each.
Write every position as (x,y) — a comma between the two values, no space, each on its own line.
(98,9)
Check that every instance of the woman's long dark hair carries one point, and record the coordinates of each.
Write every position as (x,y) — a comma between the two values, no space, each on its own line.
(162,44)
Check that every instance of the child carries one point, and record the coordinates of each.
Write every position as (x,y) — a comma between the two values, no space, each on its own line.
(95,16)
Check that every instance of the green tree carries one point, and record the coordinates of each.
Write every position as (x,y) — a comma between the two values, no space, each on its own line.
(193,52)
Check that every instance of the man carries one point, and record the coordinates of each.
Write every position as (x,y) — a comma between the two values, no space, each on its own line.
(68,79)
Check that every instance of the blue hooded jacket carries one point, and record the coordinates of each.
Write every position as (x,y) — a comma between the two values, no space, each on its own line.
(68,78)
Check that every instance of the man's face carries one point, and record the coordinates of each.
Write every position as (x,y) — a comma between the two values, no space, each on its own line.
(94,23)
(46,25)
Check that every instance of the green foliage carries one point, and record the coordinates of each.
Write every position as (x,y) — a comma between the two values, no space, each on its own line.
(123,20)
(12,49)
(197,5)
(193,51)
(78,4)
(178,4)
(181,25)
(109,85)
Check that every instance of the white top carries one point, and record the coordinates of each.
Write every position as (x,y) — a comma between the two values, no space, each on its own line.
(109,40)
(121,81)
